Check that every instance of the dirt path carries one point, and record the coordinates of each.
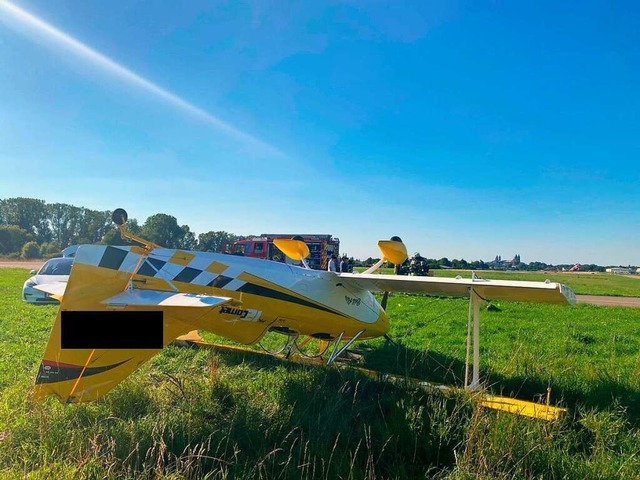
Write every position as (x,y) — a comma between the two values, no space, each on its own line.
(26,264)
(609,301)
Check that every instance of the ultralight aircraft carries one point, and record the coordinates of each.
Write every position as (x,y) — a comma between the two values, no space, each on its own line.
(123,304)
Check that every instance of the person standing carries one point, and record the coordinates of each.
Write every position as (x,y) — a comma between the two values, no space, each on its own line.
(344,265)
(333,264)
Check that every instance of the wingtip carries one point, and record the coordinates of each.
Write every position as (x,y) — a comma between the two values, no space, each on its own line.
(568,294)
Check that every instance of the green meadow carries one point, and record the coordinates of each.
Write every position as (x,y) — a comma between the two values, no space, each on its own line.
(206,414)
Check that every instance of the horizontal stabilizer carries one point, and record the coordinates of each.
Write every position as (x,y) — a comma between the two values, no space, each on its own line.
(519,291)
(54,289)
(150,298)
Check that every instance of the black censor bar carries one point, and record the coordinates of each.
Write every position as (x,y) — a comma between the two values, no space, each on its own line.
(111,330)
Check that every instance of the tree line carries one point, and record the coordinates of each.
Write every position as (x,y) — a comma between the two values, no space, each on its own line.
(31,228)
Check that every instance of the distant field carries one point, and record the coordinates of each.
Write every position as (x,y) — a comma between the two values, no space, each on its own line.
(206,414)
(580,283)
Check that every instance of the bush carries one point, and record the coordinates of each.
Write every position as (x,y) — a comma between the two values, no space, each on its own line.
(50,249)
(30,250)
(13,238)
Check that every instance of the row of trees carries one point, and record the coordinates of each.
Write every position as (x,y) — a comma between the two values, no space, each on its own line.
(462,264)
(31,227)
(50,226)
(533,266)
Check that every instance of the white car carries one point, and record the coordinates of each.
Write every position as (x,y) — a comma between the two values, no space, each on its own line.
(54,270)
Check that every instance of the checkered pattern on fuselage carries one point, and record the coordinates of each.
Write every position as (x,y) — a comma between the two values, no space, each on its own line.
(167,264)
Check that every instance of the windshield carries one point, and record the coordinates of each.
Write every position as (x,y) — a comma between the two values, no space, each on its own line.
(57,266)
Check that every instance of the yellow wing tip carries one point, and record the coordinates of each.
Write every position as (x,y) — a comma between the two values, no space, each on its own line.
(294,249)
(523,407)
(393,250)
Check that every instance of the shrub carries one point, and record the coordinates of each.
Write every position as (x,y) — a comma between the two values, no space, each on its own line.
(50,249)
(13,238)
(30,250)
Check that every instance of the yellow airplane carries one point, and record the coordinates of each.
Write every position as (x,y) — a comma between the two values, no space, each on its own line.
(123,304)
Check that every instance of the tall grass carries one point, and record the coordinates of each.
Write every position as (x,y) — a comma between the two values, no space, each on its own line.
(207,414)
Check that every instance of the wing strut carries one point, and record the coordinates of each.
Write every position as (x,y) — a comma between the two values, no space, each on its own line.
(473,341)
(336,353)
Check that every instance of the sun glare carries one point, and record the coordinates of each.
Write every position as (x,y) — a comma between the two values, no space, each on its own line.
(35,26)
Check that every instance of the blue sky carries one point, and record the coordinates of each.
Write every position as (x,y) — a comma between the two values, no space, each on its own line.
(470,129)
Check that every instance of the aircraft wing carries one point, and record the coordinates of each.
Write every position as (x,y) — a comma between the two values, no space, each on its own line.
(54,289)
(520,291)
(138,297)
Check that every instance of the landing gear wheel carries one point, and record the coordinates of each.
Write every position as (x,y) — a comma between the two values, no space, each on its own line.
(310,347)
(272,338)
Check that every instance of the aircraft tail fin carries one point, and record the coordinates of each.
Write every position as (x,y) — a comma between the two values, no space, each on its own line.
(105,329)
(89,371)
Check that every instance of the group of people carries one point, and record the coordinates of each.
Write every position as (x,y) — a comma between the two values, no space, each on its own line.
(338,267)
(416,265)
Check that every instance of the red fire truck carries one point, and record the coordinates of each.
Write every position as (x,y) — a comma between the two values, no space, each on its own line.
(321,247)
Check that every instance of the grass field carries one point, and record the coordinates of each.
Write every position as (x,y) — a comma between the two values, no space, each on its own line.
(207,414)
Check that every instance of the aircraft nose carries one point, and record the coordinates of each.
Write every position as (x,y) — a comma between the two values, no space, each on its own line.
(381,325)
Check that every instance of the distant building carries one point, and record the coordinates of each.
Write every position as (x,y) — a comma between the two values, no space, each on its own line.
(499,264)
(621,270)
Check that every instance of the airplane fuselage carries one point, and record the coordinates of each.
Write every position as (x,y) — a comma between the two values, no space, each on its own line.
(267,295)
(122,305)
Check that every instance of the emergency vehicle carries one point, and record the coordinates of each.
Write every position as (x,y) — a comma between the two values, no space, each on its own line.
(321,247)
